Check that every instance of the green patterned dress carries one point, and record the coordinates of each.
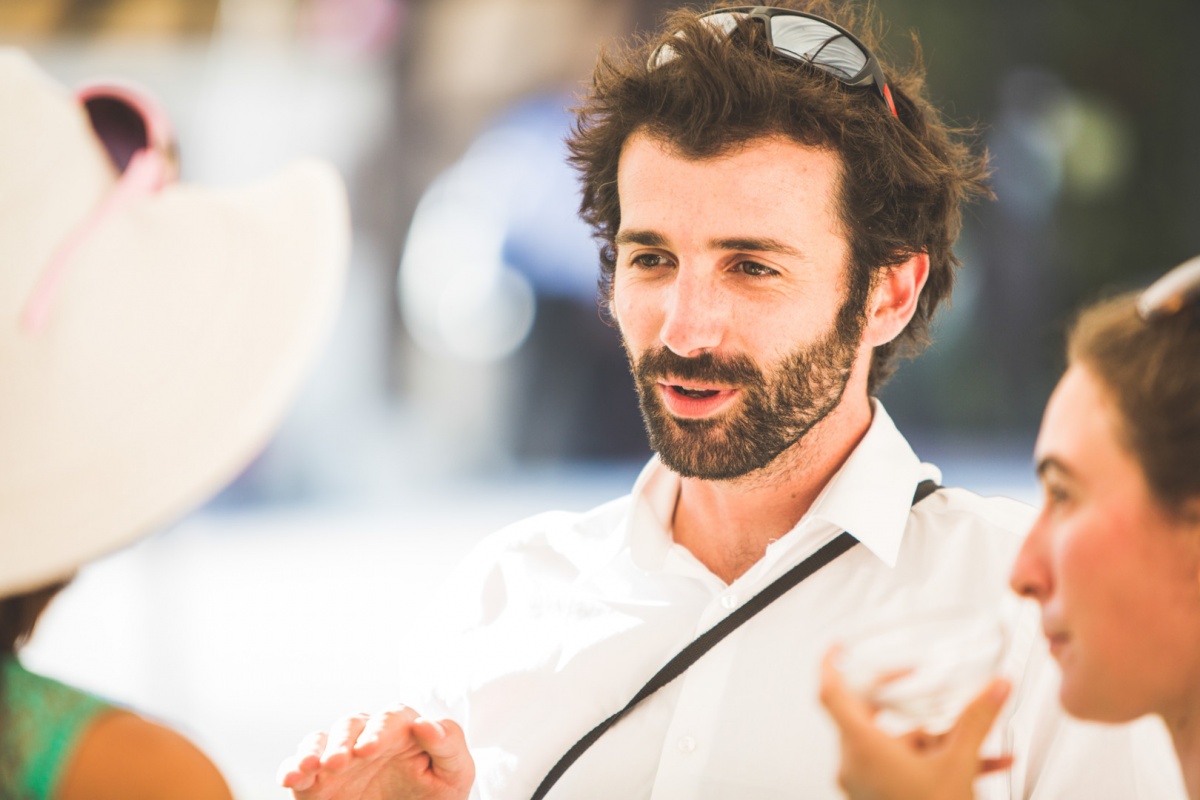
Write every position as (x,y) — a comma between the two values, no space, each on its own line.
(42,721)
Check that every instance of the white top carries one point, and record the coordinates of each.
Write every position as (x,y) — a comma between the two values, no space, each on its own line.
(559,620)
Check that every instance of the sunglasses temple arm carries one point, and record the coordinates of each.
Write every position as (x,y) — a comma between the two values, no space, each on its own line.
(887,97)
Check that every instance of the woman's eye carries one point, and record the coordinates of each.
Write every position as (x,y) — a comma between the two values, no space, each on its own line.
(1055,495)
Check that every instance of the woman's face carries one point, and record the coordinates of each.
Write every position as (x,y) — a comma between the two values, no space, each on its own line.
(1118,578)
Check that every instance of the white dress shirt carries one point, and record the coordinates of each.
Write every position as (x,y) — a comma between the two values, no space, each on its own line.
(554,623)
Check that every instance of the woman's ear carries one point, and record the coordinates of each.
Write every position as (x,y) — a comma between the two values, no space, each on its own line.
(1187,515)
(894,299)
(1189,512)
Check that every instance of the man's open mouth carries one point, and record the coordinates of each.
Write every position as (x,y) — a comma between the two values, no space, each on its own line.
(687,392)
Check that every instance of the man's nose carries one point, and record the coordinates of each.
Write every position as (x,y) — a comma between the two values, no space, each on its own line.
(696,315)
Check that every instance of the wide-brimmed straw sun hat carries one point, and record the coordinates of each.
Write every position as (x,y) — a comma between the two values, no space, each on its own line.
(151,332)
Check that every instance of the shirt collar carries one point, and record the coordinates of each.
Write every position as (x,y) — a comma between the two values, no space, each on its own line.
(870,496)
(655,494)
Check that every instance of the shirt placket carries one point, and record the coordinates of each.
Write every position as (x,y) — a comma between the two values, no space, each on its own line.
(692,733)
(695,724)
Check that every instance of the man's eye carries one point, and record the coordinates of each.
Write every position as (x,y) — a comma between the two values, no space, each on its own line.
(754,268)
(648,260)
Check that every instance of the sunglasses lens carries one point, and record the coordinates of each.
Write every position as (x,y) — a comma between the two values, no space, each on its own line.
(809,40)
(724,22)
(816,43)
(119,126)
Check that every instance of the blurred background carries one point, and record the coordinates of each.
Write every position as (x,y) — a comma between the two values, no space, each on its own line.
(470,380)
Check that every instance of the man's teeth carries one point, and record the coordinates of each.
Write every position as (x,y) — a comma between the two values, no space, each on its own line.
(685,391)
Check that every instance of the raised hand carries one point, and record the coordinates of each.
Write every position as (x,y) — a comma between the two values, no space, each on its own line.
(394,754)
(918,765)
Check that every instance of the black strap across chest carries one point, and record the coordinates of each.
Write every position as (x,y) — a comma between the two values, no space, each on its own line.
(707,640)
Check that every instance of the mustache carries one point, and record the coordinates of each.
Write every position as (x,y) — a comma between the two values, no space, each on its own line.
(704,368)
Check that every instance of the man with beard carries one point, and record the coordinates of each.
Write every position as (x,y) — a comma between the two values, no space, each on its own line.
(777,221)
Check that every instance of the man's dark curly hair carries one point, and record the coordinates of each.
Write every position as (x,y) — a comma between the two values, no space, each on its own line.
(903,181)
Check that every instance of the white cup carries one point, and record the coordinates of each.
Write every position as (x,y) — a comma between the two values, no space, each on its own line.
(922,671)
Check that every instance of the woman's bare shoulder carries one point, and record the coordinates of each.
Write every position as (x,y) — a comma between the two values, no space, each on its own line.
(124,756)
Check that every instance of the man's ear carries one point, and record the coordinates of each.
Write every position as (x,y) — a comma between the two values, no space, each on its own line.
(894,299)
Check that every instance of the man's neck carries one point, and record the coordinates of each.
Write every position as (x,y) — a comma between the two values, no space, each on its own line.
(727,525)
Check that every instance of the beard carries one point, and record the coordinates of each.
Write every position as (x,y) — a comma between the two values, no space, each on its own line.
(777,409)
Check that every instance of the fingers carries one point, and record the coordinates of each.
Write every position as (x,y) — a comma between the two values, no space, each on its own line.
(998,764)
(339,745)
(319,751)
(848,710)
(977,718)
(396,746)
(446,745)
(388,727)
(920,740)
(298,772)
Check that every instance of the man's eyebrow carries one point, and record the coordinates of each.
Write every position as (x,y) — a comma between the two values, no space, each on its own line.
(644,238)
(647,238)
(757,244)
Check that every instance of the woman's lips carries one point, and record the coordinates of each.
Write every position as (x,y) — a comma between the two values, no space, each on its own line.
(695,401)
(1056,640)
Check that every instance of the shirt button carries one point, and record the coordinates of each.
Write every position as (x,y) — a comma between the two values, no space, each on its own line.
(729,601)
(687,744)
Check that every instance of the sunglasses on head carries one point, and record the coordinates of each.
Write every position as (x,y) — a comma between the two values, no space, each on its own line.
(805,38)
(1172,293)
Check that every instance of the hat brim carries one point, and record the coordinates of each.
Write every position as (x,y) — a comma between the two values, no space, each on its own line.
(182,330)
